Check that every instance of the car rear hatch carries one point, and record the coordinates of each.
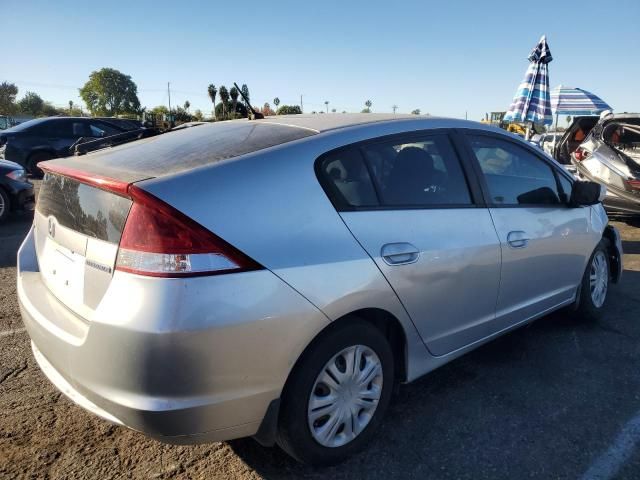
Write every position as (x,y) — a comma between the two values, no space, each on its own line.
(77,229)
(568,143)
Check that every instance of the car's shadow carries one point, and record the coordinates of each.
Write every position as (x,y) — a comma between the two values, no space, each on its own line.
(546,389)
(12,232)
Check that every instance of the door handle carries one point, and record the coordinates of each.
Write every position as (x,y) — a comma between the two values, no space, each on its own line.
(517,239)
(399,253)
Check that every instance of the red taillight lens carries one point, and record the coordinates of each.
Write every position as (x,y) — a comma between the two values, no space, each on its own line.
(634,184)
(580,154)
(160,241)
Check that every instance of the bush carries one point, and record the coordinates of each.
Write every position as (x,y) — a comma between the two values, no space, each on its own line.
(289,110)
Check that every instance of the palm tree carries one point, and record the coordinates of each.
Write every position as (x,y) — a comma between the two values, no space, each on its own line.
(70,106)
(368,104)
(224,96)
(326,103)
(187,104)
(212,95)
(276,102)
(333,110)
(245,91)
(234,93)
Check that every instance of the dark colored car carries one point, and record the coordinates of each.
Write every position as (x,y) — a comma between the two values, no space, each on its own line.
(16,193)
(46,138)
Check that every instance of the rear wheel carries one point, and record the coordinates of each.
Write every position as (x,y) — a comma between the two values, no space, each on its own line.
(595,284)
(34,159)
(337,395)
(5,205)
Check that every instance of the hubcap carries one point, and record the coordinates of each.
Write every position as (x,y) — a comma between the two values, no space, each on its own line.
(598,279)
(345,396)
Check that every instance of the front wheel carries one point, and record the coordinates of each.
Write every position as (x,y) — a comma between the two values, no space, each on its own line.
(595,285)
(337,395)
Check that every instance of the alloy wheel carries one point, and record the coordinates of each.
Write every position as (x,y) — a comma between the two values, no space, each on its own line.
(598,279)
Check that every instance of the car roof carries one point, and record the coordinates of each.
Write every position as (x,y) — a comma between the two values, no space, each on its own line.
(190,148)
(324,122)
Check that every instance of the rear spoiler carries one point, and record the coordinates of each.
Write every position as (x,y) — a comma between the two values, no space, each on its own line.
(85,145)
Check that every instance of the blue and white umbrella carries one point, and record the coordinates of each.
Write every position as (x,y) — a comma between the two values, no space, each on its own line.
(576,102)
(532,102)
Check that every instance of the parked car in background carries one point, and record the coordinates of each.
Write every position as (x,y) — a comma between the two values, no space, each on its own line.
(6,122)
(16,193)
(164,289)
(573,136)
(46,138)
(547,141)
(610,155)
(124,123)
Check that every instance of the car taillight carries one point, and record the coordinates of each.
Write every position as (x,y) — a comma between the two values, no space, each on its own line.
(634,184)
(580,154)
(159,241)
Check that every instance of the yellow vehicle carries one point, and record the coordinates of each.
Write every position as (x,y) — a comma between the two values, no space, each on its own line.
(497,119)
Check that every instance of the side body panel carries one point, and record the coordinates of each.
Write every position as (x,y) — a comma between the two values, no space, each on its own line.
(450,291)
(544,273)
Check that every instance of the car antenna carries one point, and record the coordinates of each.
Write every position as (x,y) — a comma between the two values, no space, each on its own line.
(254,115)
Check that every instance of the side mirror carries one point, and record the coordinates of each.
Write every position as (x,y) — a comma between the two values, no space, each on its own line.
(587,193)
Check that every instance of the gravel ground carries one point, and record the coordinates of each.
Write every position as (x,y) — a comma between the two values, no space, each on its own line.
(545,401)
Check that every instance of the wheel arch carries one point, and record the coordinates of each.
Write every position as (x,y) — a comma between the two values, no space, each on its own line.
(387,323)
(614,250)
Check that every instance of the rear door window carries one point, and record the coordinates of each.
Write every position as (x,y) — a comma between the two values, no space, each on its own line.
(514,175)
(423,172)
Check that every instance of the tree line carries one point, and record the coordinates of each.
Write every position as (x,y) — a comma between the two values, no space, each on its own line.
(109,92)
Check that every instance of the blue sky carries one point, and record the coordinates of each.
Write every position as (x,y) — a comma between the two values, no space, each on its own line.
(445,58)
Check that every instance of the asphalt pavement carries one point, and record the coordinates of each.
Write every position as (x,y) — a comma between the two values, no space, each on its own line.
(559,398)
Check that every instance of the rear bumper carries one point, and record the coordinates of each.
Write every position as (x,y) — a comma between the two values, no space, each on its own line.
(181,360)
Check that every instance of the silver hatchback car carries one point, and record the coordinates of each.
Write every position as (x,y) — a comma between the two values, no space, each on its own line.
(274,278)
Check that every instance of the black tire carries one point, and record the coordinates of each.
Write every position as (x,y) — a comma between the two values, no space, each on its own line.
(34,159)
(294,434)
(5,205)
(585,306)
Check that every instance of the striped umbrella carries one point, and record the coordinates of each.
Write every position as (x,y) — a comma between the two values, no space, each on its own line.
(576,102)
(531,102)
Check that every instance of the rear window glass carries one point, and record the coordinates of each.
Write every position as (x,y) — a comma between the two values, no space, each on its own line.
(85,209)
(189,148)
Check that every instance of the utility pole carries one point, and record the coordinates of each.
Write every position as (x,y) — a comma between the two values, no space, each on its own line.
(169,92)
(395,107)
(301,107)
